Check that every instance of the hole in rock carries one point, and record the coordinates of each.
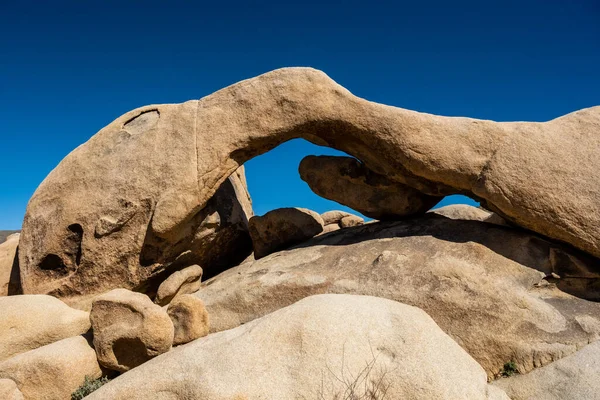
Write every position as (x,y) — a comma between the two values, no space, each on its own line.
(130,352)
(274,181)
(456,199)
(52,262)
(75,241)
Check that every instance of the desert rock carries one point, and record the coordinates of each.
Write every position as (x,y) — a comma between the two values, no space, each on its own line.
(329,228)
(189,317)
(184,281)
(307,350)
(31,321)
(54,371)
(9,390)
(4,235)
(469,213)
(129,329)
(491,288)
(347,181)
(9,264)
(573,377)
(542,176)
(103,233)
(281,228)
(351,220)
(333,216)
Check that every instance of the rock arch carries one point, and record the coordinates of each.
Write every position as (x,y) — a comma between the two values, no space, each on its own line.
(155,168)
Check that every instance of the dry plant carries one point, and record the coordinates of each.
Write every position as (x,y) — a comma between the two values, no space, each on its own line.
(370,383)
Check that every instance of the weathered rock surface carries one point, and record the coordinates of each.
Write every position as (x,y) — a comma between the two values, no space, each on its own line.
(333,216)
(574,377)
(4,235)
(303,351)
(54,371)
(281,228)
(184,281)
(469,213)
(489,287)
(351,183)
(31,321)
(9,263)
(129,329)
(329,228)
(351,220)
(189,317)
(542,176)
(9,390)
(98,238)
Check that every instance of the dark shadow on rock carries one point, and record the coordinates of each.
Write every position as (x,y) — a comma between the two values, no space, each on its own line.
(14,283)
(216,238)
(573,271)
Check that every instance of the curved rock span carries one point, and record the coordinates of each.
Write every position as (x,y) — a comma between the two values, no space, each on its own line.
(149,175)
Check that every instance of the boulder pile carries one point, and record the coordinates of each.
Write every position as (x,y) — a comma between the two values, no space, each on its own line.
(105,281)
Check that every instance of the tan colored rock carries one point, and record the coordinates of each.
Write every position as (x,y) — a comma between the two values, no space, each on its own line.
(129,329)
(469,213)
(490,288)
(54,371)
(98,241)
(4,235)
(150,174)
(350,221)
(9,390)
(189,317)
(572,377)
(333,216)
(9,282)
(181,282)
(329,228)
(307,350)
(349,182)
(31,321)
(282,228)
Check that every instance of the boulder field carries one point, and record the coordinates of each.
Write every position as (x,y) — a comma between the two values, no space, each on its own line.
(314,349)
(141,271)
(491,288)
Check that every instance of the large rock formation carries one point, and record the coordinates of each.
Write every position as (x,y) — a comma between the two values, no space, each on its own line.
(54,371)
(347,181)
(493,289)
(99,239)
(281,228)
(129,329)
(317,348)
(9,264)
(31,321)
(126,204)
(574,377)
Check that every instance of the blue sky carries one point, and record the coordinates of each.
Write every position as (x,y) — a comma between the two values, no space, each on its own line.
(69,68)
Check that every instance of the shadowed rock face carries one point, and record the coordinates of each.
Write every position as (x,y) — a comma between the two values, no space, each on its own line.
(149,175)
(347,181)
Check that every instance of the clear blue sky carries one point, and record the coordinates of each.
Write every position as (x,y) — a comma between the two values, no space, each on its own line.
(69,68)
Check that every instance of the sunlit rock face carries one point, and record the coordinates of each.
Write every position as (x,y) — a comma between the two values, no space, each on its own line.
(144,196)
